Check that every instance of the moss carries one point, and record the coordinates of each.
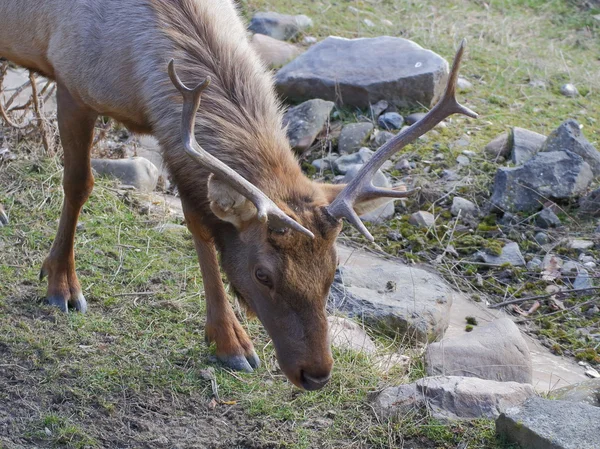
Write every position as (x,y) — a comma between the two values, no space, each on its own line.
(471,320)
(468,328)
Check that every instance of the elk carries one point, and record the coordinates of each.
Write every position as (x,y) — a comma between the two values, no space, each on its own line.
(242,190)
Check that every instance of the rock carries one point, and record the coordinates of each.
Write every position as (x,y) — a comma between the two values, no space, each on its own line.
(568,90)
(525,144)
(452,397)
(463,207)
(390,121)
(378,108)
(136,171)
(344,163)
(407,301)
(546,424)
(325,163)
(590,265)
(309,40)
(590,204)
(499,147)
(383,212)
(463,160)
(511,254)
(402,165)
(422,219)
(547,219)
(586,392)
(279,26)
(305,122)
(580,244)
(341,70)
(495,352)
(541,238)
(354,136)
(570,267)
(568,137)
(346,334)
(553,175)
(582,281)
(414,118)
(463,85)
(385,363)
(534,264)
(382,137)
(274,53)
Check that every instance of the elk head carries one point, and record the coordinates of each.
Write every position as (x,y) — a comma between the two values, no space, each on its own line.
(281,259)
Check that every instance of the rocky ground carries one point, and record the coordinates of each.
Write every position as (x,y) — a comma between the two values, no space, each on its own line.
(479,295)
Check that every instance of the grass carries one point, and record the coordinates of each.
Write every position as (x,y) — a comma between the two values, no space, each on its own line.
(129,373)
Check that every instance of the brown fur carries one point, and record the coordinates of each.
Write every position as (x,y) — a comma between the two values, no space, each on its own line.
(109,58)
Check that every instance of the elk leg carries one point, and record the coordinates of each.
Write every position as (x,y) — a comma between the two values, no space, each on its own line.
(234,347)
(76,126)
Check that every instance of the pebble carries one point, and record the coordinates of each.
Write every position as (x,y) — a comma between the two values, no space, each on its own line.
(463,84)
(378,108)
(422,219)
(463,160)
(403,165)
(569,90)
(390,121)
(541,238)
(590,265)
(369,23)
(580,244)
(309,40)
(534,264)
(414,118)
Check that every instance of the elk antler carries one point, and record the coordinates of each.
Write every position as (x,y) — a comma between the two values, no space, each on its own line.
(267,210)
(361,188)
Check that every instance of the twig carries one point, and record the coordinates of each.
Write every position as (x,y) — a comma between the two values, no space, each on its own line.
(583,304)
(3,114)
(38,112)
(135,294)
(548,295)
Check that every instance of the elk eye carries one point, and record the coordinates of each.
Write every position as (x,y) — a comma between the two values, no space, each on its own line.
(263,277)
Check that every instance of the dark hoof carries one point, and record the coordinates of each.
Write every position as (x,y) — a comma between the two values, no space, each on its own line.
(240,362)
(76,302)
(58,301)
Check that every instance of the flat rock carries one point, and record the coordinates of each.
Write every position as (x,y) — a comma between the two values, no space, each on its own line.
(580,244)
(386,294)
(525,144)
(496,351)
(344,163)
(549,175)
(568,137)
(498,147)
(587,392)
(279,26)
(341,70)
(386,210)
(354,136)
(346,334)
(546,424)
(547,219)
(274,53)
(138,172)
(422,219)
(306,121)
(511,254)
(452,397)
(590,203)
(463,206)
(390,121)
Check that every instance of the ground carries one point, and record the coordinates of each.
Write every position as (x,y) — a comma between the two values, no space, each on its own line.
(133,371)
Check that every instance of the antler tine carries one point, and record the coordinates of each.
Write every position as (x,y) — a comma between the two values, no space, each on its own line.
(266,209)
(361,188)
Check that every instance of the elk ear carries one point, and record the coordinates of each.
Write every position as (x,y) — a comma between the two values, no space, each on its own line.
(361,207)
(229,205)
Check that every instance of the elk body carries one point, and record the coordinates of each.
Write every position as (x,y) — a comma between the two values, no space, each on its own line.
(242,191)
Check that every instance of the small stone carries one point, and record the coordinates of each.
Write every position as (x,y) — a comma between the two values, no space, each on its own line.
(547,219)
(538,84)
(590,204)
(580,244)
(534,264)
(346,334)
(402,165)
(584,258)
(463,85)
(136,171)
(541,238)
(369,23)
(326,162)
(582,281)
(354,136)
(378,108)
(592,373)
(590,265)
(499,147)
(463,160)
(414,118)
(274,53)
(463,207)
(570,267)
(279,26)
(439,157)
(305,122)
(387,22)
(469,153)
(511,254)
(449,175)
(394,236)
(592,311)
(422,219)
(309,40)
(381,137)
(390,121)
(525,144)
(345,162)
(569,90)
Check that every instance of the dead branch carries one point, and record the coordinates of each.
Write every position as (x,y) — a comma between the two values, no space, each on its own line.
(548,295)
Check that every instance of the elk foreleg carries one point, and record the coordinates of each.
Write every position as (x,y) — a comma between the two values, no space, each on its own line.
(76,126)
(234,347)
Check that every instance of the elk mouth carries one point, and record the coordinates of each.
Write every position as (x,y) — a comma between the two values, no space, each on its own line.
(313,383)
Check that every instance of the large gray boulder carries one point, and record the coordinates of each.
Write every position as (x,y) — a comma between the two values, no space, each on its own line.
(138,172)
(305,122)
(569,137)
(554,175)
(359,72)
(545,424)
(587,392)
(386,294)
(279,26)
(496,352)
(452,397)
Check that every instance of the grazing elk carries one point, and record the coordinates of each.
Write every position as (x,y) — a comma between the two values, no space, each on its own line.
(243,192)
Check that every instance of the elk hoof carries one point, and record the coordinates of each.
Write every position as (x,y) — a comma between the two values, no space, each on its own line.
(77,302)
(245,363)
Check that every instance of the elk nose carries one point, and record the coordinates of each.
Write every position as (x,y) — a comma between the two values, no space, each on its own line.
(312,382)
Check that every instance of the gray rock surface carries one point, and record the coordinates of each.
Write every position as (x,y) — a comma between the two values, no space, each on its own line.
(413,118)
(590,203)
(525,144)
(511,254)
(341,70)
(347,334)
(395,298)
(498,147)
(422,219)
(325,163)
(378,108)
(136,171)
(545,424)
(463,84)
(452,397)
(568,137)
(495,352)
(547,219)
(569,90)
(463,206)
(382,137)
(344,163)
(306,121)
(549,175)
(354,136)
(390,121)
(279,26)
(587,392)
(386,210)
(274,53)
